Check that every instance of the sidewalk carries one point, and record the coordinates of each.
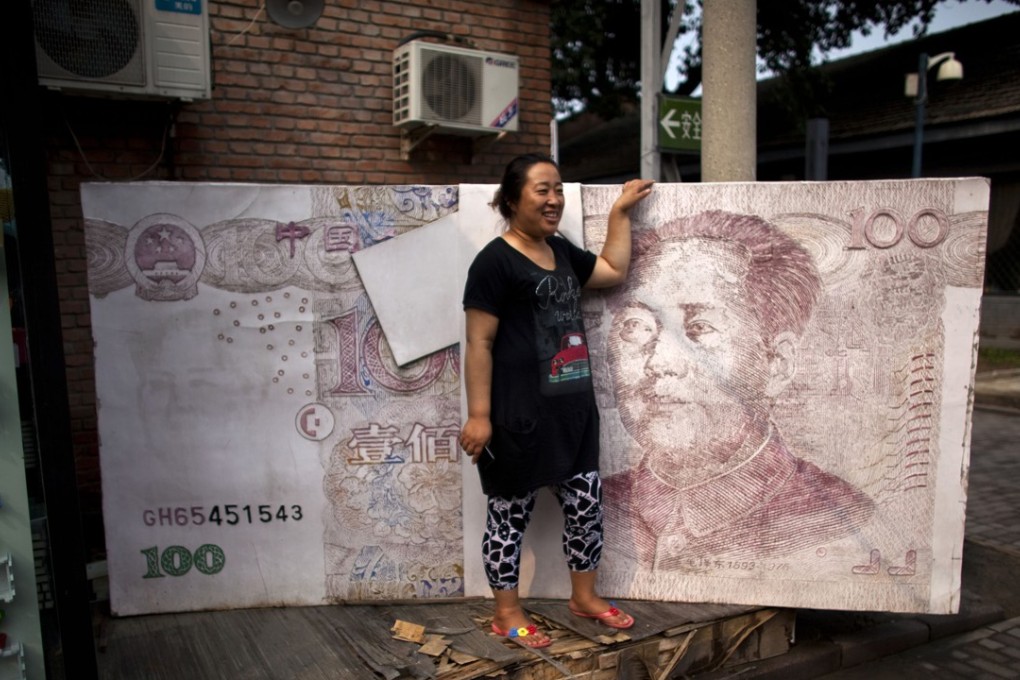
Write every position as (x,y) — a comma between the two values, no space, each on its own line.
(983,641)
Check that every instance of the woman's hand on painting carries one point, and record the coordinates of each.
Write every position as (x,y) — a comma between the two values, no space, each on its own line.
(633,191)
(614,259)
(475,436)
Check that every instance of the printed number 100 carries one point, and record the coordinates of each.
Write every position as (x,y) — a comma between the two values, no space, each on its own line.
(926,228)
(178,560)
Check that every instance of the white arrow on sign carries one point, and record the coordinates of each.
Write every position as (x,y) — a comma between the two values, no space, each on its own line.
(667,123)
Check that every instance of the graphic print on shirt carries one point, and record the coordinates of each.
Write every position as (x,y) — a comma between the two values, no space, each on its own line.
(571,362)
(561,344)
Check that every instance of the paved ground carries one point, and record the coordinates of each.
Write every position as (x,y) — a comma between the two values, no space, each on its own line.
(983,641)
(989,652)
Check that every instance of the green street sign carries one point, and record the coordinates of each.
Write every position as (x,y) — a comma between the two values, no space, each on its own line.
(678,125)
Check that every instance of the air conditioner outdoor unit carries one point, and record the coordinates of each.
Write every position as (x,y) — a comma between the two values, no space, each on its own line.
(133,48)
(461,91)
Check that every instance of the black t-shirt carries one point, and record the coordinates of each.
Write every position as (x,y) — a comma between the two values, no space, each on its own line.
(544,419)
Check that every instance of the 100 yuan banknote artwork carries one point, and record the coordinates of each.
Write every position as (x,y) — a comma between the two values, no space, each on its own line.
(259,446)
(785,388)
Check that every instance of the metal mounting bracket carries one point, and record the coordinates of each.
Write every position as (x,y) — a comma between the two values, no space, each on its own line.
(409,140)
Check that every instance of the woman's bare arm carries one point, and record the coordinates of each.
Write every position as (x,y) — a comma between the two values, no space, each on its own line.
(481,334)
(614,261)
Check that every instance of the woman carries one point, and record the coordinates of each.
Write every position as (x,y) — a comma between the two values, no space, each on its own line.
(532,420)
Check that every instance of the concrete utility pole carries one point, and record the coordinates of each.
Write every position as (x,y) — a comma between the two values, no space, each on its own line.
(729,100)
(651,85)
(653,74)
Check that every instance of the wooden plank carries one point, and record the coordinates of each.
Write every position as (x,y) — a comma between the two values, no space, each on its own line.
(294,643)
(366,630)
(253,644)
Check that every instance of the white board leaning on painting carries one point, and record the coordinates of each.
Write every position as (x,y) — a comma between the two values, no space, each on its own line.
(262,445)
(417,302)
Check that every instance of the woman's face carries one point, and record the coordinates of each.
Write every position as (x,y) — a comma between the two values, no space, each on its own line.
(538,212)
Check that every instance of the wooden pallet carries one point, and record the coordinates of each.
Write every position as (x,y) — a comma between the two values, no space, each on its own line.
(358,642)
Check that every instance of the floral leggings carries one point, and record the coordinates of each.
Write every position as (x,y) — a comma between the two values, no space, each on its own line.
(579,497)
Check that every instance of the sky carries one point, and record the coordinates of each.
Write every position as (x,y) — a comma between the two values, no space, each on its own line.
(950,14)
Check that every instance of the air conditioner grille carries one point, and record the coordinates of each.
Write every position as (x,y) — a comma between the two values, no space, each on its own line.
(456,90)
(450,86)
(87,38)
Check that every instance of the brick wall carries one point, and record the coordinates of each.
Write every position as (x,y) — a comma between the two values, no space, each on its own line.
(308,106)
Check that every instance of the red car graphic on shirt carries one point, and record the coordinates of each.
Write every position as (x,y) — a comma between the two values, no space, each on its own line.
(571,362)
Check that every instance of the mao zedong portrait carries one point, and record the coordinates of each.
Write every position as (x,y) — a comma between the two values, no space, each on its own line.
(704,337)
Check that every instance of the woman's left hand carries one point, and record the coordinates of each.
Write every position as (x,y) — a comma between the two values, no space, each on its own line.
(633,191)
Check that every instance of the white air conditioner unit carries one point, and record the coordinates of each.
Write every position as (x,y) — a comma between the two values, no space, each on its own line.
(134,48)
(461,91)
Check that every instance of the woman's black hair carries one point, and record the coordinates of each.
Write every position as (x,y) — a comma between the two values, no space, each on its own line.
(516,173)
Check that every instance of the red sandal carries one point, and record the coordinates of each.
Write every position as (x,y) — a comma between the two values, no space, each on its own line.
(602,618)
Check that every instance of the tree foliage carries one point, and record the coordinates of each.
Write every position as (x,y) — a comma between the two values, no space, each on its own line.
(596,53)
(596,43)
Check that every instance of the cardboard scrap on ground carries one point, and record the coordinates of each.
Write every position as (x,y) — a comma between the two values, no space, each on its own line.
(460,658)
(434,646)
(405,630)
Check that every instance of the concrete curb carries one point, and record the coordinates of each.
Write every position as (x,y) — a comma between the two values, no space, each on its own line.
(998,388)
(882,640)
(999,373)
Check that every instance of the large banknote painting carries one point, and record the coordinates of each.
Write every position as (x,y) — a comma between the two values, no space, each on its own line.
(259,445)
(786,392)
(784,383)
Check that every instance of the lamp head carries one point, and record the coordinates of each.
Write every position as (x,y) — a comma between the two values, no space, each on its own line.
(950,69)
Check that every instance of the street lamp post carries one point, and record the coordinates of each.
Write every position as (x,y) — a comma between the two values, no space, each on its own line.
(949,69)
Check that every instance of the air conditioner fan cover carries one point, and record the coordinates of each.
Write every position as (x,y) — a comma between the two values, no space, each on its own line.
(87,38)
(450,85)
